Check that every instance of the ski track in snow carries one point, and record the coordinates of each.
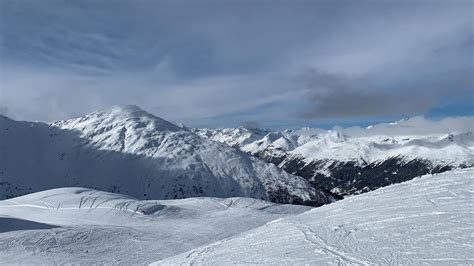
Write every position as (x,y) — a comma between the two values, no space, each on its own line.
(91,226)
(428,220)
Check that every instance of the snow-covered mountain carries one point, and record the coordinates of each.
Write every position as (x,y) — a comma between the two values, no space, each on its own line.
(346,163)
(127,150)
(427,220)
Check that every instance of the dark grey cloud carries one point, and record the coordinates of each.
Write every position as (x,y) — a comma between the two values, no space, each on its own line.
(251,124)
(340,96)
(209,62)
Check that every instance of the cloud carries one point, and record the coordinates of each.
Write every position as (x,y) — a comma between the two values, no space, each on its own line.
(211,62)
(340,96)
(414,126)
(250,124)
(53,94)
(4,111)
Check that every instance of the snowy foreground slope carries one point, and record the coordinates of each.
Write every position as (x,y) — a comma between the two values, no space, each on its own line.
(425,220)
(356,160)
(127,150)
(77,225)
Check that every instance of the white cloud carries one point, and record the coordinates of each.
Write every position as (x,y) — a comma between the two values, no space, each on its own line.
(201,62)
(418,125)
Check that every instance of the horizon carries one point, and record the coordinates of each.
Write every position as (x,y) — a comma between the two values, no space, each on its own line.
(416,125)
(212,64)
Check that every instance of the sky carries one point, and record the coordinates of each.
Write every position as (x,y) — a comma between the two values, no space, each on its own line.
(276,64)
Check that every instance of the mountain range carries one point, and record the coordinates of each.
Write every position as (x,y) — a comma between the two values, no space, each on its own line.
(347,164)
(122,186)
(126,150)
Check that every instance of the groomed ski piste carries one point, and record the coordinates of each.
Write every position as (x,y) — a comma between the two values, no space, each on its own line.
(425,220)
(428,220)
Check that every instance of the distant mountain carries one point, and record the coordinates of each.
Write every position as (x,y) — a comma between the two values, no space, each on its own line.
(127,150)
(347,165)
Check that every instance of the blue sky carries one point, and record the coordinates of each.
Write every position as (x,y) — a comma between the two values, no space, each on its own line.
(224,63)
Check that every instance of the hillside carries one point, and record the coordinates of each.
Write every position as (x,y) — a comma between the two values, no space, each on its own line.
(427,220)
(127,150)
(86,226)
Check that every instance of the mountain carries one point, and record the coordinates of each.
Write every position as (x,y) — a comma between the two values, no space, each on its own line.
(427,220)
(127,150)
(348,164)
(89,227)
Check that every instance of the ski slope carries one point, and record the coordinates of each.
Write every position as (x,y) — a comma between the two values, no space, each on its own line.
(427,220)
(86,226)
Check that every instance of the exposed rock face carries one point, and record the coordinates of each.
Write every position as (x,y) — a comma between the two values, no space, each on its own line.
(350,178)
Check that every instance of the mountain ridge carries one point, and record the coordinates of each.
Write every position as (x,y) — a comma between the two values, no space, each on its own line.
(347,164)
(127,150)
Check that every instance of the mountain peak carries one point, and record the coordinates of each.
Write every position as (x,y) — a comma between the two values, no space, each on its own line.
(123,110)
(131,115)
(129,108)
(120,122)
(123,148)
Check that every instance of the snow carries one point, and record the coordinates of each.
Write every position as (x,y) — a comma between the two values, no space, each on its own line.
(232,136)
(86,226)
(127,150)
(441,149)
(225,218)
(427,220)
(11,224)
(343,145)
